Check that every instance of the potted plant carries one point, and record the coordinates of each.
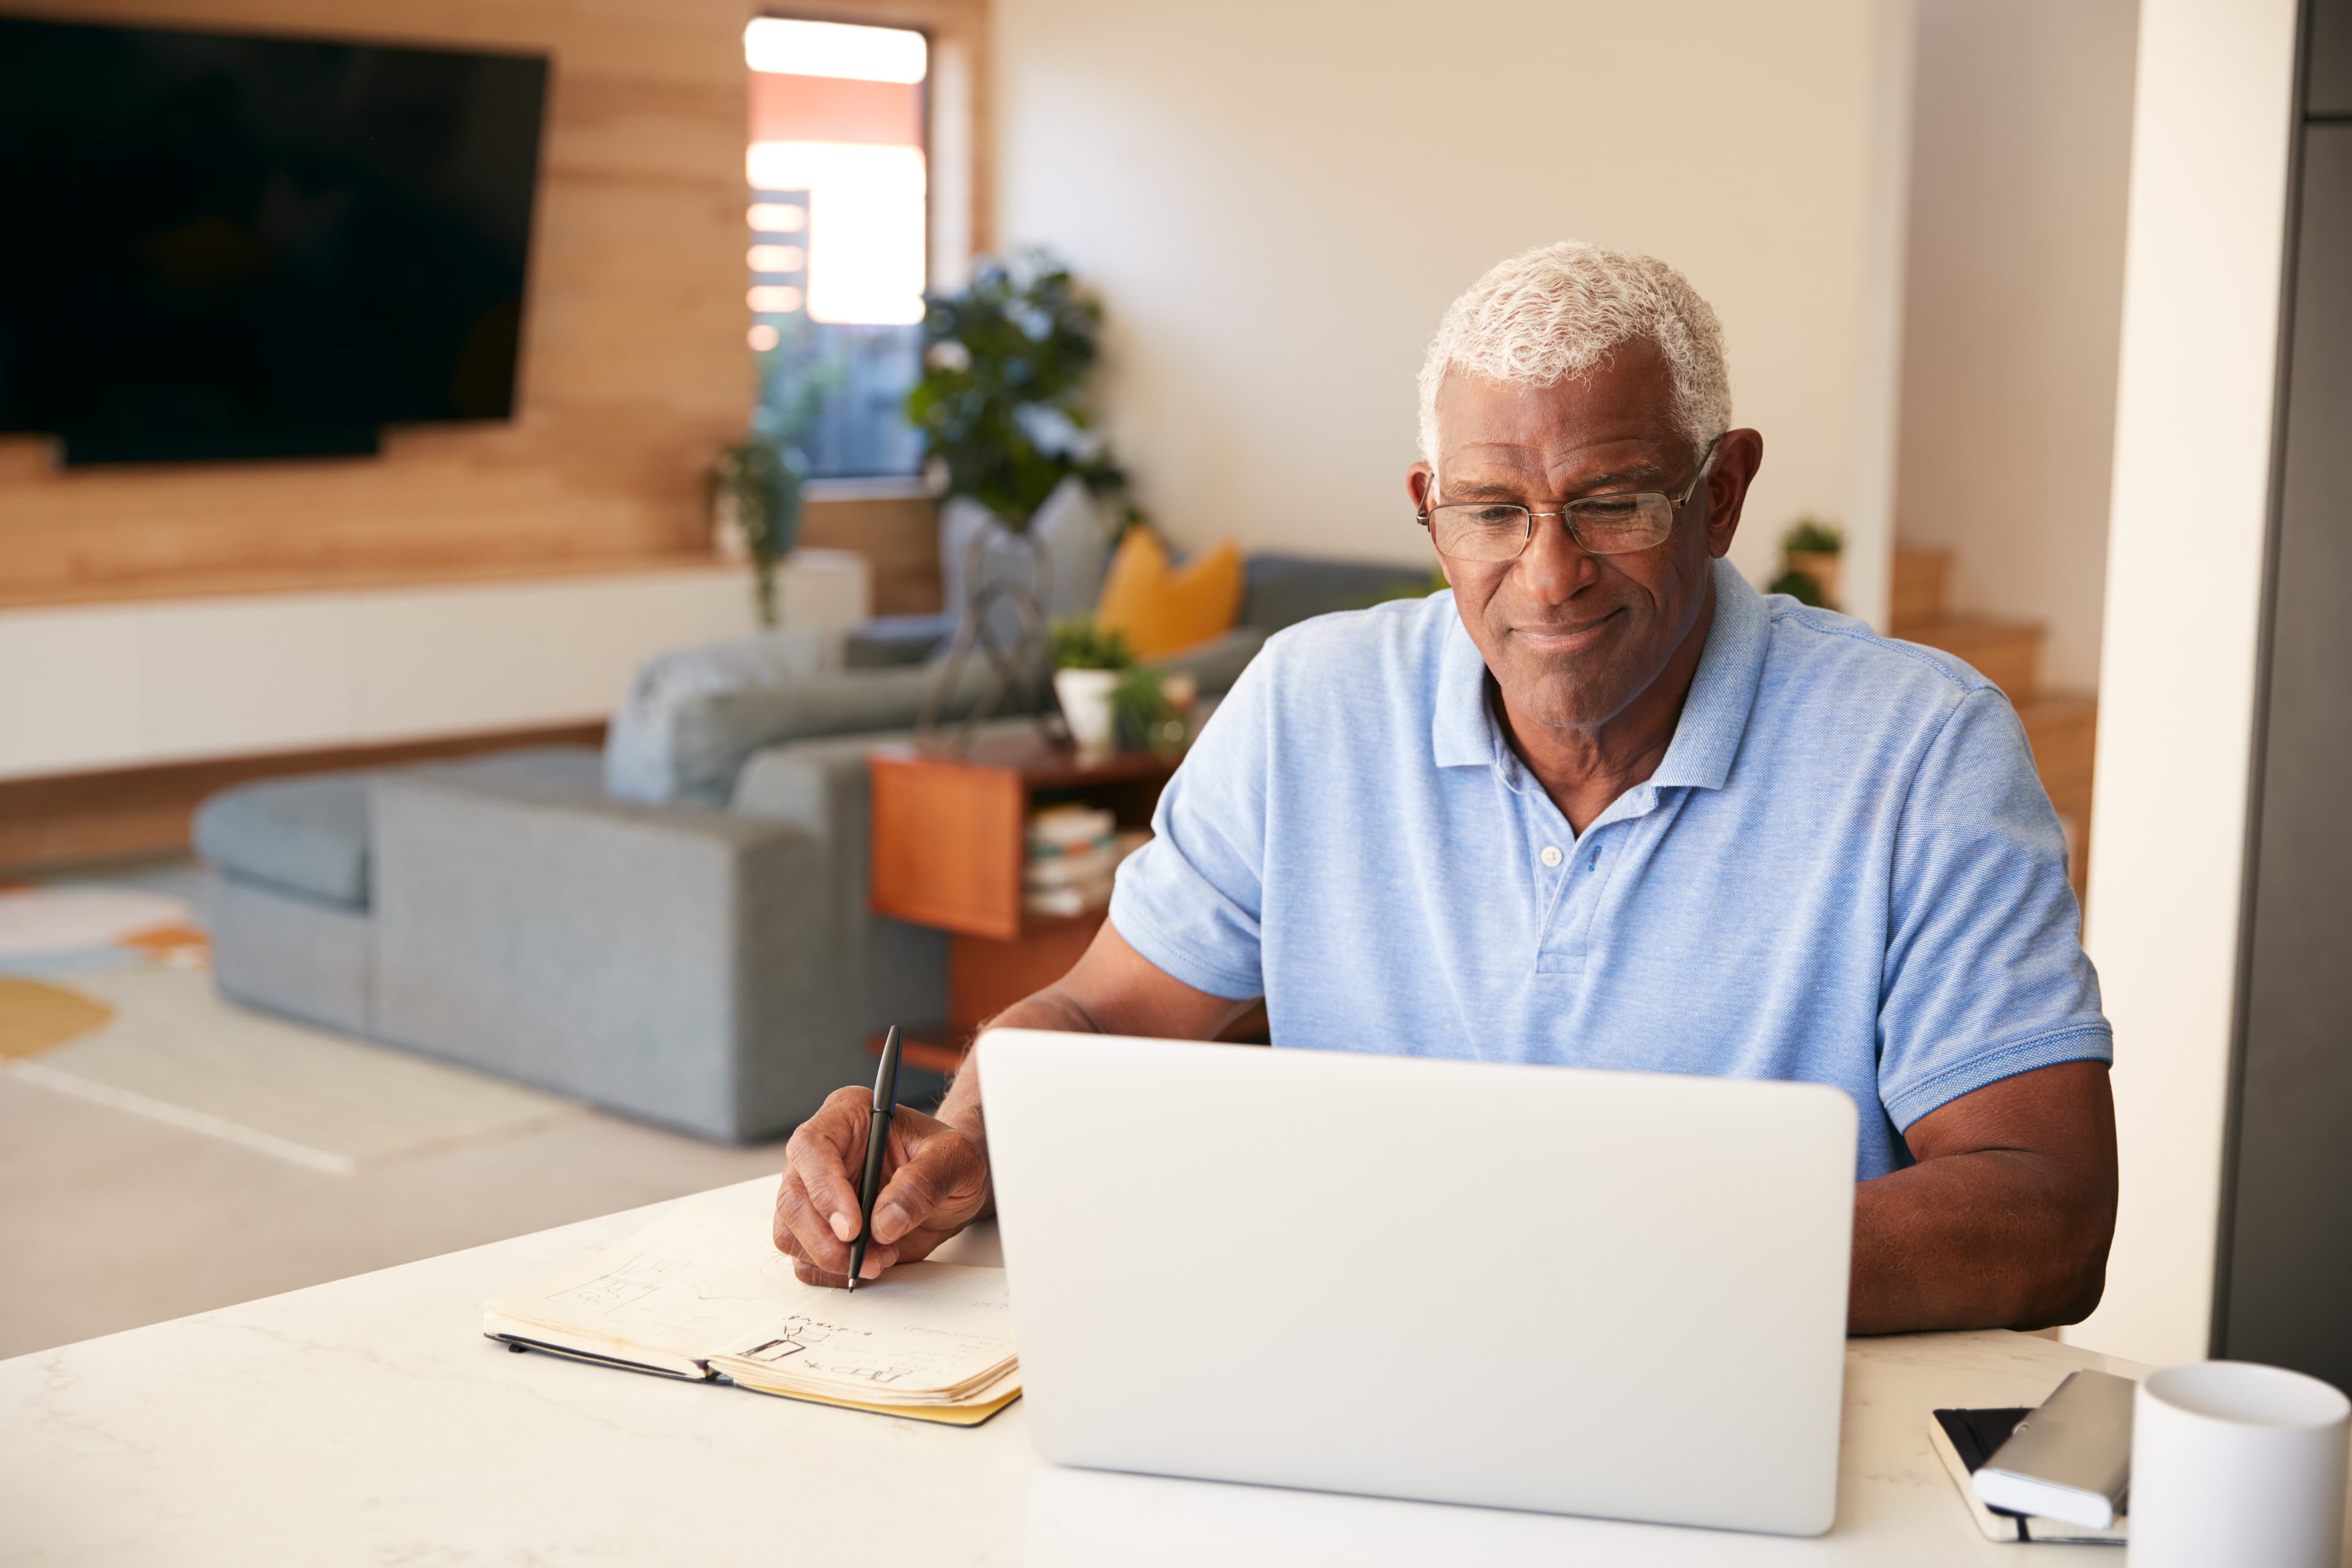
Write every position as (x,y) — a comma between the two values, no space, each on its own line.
(1815,550)
(754,486)
(1799,587)
(1151,711)
(1088,662)
(755,511)
(1001,402)
(1011,451)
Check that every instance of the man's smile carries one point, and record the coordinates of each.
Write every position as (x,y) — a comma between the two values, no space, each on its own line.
(1571,636)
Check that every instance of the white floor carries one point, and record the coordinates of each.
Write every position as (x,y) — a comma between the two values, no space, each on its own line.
(187,1157)
(109,1219)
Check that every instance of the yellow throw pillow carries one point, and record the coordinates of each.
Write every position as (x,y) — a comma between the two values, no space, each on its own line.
(1166,609)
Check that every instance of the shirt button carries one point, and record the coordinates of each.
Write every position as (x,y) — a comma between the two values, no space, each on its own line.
(1552,854)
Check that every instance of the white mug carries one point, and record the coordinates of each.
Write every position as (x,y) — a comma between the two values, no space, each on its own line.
(2233,1463)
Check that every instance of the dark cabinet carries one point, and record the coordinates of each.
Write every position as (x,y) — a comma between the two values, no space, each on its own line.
(2286,1287)
(2328,67)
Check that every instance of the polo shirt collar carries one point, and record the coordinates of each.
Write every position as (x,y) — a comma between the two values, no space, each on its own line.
(1723,692)
(1464,731)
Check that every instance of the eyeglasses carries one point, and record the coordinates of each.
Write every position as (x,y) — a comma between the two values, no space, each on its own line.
(1600,525)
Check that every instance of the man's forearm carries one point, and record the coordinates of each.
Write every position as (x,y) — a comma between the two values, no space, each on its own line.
(1049,1009)
(1995,1238)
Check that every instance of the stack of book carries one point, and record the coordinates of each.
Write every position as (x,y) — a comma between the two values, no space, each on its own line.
(1073,852)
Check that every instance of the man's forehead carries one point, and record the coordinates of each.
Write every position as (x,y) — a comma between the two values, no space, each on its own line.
(1632,414)
(1473,460)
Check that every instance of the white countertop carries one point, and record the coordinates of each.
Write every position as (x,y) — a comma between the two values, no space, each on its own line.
(368,1421)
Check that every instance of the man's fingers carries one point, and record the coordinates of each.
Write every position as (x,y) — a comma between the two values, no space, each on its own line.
(939,1184)
(802,1232)
(822,1154)
(808,1273)
(816,1202)
(916,1246)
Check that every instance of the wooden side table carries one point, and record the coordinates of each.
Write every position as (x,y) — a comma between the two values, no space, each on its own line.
(950,844)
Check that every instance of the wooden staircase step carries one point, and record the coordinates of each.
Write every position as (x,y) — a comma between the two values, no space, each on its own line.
(2062,728)
(1922,577)
(2007,653)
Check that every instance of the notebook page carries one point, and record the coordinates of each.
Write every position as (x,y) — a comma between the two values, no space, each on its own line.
(921,1328)
(695,1280)
(703,1279)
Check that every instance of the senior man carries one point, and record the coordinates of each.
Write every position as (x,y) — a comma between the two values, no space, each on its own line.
(1603,805)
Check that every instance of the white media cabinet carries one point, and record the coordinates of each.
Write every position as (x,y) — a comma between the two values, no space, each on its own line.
(84,688)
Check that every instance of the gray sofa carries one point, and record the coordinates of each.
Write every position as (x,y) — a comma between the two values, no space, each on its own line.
(706,962)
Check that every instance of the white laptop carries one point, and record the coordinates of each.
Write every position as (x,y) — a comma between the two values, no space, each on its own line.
(1620,1294)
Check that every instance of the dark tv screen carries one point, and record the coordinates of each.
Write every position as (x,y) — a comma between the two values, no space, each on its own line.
(226,247)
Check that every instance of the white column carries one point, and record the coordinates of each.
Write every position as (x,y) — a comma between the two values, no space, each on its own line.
(1869,566)
(2213,128)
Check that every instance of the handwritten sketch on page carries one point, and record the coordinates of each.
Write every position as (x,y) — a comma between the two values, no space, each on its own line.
(702,1289)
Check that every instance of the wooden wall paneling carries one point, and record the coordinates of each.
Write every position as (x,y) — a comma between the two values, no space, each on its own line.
(899,536)
(634,366)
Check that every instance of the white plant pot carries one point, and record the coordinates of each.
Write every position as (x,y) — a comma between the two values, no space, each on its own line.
(1084,697)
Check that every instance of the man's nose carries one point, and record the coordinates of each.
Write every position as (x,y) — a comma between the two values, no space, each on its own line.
(1553,567)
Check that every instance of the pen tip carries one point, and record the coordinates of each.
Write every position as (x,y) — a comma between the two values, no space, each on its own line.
(853,1283)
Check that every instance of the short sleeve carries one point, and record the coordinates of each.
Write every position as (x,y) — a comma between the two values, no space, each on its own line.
(1986,976)
(1190,899)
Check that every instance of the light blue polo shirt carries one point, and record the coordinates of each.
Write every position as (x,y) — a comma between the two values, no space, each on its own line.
(1845,869)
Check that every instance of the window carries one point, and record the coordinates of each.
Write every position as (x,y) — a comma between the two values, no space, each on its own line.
(839,185)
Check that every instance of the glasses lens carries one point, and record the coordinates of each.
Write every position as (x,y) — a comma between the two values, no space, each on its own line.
(1618,525)
(1478,531)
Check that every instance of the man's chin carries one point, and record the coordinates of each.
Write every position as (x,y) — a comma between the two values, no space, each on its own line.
(1559,699)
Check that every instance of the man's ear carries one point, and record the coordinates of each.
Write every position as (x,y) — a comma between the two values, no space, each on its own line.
(1737,458)
(1417,481)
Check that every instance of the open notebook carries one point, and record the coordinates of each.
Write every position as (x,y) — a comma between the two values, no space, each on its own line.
(702,1294)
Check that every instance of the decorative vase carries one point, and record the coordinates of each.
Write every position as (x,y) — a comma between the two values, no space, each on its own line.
(1084,697)
(1001,621)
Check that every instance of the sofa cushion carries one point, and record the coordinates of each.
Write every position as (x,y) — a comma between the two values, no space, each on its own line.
(642,748)
(1067,531)
(1164,609)
(1280,591)
(717,731)
(310,834)
(556,772)
(886,642)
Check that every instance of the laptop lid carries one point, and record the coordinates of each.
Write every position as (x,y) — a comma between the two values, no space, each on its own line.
(1619,1294)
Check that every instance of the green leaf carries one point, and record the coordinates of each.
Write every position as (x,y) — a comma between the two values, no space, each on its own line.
(1025,336)
(1079,644)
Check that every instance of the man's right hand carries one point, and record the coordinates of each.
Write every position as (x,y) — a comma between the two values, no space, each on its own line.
(934,1183)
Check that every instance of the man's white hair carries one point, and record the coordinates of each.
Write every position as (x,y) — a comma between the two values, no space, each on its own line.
(1557,310)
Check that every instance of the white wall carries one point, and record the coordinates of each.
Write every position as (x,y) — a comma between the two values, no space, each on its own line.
(2211,128)
(2019,161)
(1277,201)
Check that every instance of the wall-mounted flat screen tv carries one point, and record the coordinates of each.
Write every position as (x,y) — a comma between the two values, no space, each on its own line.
(224,246)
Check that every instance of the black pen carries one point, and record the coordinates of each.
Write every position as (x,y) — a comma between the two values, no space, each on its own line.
(877,1143)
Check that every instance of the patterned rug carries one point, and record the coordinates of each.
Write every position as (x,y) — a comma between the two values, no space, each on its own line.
(106,994)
